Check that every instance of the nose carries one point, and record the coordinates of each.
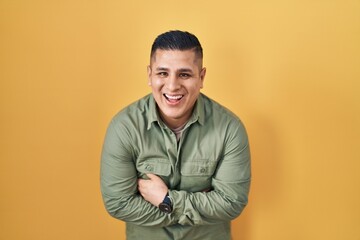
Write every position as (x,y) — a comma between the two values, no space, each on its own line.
(172,83)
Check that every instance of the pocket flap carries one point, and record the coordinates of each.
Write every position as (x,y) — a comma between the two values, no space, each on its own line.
(198,167)
(160,167)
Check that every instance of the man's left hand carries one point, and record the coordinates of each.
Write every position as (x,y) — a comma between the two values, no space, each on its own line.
(153,189)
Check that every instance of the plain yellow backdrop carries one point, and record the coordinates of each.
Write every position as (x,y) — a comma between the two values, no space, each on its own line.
(289,69)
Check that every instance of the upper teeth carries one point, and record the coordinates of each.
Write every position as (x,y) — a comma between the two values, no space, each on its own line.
(173,97)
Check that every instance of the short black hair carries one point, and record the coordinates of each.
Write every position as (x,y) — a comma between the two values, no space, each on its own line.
(177,40)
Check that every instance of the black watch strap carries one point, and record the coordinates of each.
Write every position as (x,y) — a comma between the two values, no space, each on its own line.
(166,205)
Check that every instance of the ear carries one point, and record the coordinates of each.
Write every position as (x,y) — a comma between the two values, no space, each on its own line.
(202,76)
(149,74)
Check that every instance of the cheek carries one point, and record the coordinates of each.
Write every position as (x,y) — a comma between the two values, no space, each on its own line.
(157,83)
(194,87)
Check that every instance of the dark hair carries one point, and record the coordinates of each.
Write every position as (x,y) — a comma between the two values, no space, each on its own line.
(177,40)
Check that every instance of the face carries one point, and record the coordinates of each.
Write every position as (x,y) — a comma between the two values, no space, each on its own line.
(175,78)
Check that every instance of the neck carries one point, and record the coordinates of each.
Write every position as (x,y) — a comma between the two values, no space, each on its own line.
(175,123)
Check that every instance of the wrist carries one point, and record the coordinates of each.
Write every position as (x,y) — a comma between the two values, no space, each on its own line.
(166,205)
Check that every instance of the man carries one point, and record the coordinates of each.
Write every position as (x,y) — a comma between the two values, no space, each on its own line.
(175,164)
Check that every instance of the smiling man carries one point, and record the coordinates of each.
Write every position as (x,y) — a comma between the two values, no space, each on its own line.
(175,164)
(176,78)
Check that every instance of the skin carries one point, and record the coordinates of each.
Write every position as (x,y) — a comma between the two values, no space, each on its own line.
(175,74)
(175,78)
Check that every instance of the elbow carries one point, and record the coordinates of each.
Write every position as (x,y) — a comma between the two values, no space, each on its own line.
(113,211)
(116,207)
(236,210)
(236,206)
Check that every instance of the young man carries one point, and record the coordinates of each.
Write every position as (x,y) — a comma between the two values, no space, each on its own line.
(175,164)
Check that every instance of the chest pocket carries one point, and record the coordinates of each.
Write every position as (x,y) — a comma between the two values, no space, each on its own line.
(158,166)
(198,167)
(196,174)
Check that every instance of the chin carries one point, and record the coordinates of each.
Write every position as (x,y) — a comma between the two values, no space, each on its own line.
(173,115)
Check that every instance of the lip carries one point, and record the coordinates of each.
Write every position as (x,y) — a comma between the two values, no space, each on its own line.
(173,99)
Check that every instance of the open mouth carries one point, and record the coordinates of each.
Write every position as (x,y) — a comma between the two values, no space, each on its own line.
(173,98)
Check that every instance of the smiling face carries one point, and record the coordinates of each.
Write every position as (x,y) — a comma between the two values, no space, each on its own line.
(175,78)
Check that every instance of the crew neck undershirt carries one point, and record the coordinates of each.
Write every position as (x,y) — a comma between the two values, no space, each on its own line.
(178,131)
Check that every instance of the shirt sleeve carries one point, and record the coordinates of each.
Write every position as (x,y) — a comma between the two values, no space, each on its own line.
(118,178)
(230,186)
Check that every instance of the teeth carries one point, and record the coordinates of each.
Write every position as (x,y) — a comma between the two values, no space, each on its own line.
(176,97)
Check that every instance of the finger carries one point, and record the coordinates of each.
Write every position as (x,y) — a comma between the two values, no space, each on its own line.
(151,176)
(140,183)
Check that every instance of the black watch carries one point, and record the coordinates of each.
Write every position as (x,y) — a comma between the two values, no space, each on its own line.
(166,205)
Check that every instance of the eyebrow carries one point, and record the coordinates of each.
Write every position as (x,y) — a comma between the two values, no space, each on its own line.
(185,70)
(162,69)
(178,70)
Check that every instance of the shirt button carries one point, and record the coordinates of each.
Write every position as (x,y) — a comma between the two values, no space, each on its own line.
(202,170)
(149,167)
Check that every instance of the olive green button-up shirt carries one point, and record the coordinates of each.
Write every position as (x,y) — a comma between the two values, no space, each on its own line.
(207,171)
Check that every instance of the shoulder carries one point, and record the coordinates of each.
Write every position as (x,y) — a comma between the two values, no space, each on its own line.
(217,111)
(135,117)
(136,110)
(222,118)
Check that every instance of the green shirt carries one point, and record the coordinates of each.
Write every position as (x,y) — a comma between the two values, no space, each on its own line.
(207,171)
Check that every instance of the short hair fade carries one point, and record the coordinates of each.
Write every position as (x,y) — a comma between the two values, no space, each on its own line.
(177,40)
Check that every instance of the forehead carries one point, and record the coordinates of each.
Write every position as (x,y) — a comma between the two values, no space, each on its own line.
(172,58)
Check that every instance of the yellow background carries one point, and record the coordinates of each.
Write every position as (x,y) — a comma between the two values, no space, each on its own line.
(289,69)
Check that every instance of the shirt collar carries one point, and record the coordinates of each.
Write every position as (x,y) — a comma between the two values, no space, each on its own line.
(152,113)
(197,115)
(199,111)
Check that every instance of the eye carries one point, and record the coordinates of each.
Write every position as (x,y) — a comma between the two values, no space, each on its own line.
(184,75)
(162,74)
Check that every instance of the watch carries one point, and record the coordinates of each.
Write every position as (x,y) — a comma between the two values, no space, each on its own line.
(166,205)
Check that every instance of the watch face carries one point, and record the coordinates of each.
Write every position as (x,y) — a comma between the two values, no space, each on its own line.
(165,207)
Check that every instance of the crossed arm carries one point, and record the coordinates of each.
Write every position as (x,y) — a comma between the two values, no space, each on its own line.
(136,200)
(153,189)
